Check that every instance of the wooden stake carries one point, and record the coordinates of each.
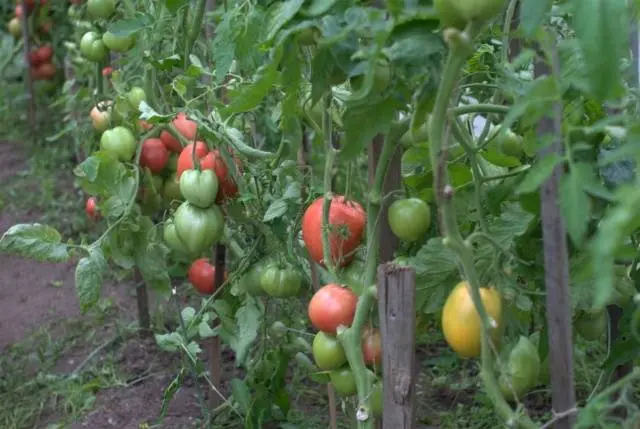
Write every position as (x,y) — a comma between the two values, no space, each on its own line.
(556,266)
(397,309)
(142,301)
(31,113)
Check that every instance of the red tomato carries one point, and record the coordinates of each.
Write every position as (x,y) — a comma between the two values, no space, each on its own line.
(19,12)
(227,188)
(106,72)
(185,127)
(154,155)
(34,58)
(331,306)
(92,209)
(342,213)
(145,125)
(185,160)
(372,346)
(46,26)
(202,276)
(44,53)
(44,71)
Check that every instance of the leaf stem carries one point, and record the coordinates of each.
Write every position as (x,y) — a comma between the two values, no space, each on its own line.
(479,108)
(332,153)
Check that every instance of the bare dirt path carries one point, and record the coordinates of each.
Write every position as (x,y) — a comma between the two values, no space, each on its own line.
(33,295)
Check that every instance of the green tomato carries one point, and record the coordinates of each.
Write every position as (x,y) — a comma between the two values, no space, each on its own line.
(198,187)
(409,218)
(328,352)
(101,9)
(449,14)
(508,142)
(382,76)
(171,189)
(279,329)
(171,238)
(419,136)
(523,369)
(136,96)
(280,282)
(120,141)
(591,326)
(172,164)
(477,10)
(92,47)
(308,36)
(344,381)
(117,43)
(250,281)
(199,228)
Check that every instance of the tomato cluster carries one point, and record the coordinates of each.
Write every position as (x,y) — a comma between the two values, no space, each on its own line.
(41,61)
(331,307)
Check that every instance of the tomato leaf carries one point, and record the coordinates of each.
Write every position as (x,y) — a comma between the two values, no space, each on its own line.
(281,13)
(223,46)
(89,277)
(34,241)
(248,320)
(170,342)
(171,390)
(249,96)
(151,256)
(174,5)
(241,394)
(275,210)
(532,15)
(602,27)
(575,203)
(127,27)
(363,122)
(539,173)
(318,7)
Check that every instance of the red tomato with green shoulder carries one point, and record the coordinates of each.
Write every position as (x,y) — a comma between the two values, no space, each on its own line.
(120,141)
(331,306)
(347,220)
(186,127)
(91,208)
(202,275)
(101,116)
(372,347)
(327,352)
(185,160)
(154,155)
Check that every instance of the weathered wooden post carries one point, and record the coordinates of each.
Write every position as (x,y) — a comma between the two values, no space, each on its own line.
(397,310)
(556,264)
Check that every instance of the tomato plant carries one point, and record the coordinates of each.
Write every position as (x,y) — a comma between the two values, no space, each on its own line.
(332,306)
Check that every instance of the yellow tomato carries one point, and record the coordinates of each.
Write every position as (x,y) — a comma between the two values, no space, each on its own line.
(461,322)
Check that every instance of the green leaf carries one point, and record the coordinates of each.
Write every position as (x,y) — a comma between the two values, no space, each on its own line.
(532,14)
(318,7)
(281,13)
(436,274)
(169,342)
(174,5)
(575,203)
(248,320)
(35,241)
(241,394)
(276,209)
(539,173)
(251,95)
(127,27)
(171,390)
(363,122)
(151,257)
(89,277)
(223,46)
(602,27)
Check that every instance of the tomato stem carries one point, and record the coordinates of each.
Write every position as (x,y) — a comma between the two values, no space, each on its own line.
(328,193)
(479,108)
(439,135)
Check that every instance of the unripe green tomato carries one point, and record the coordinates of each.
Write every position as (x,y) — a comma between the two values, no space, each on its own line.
(376,399)
(171,238)
(136,96)
(344,381)
(171,189)
(409,218)
(15,27)
(278,329)
(592,326)
(478,10)
(120,141)
(449,15)
(327,351)
(250,281)
(199,228)
(381,79)
(308,36)
(199,187)
(101,9)
(117,43)
(92,47)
